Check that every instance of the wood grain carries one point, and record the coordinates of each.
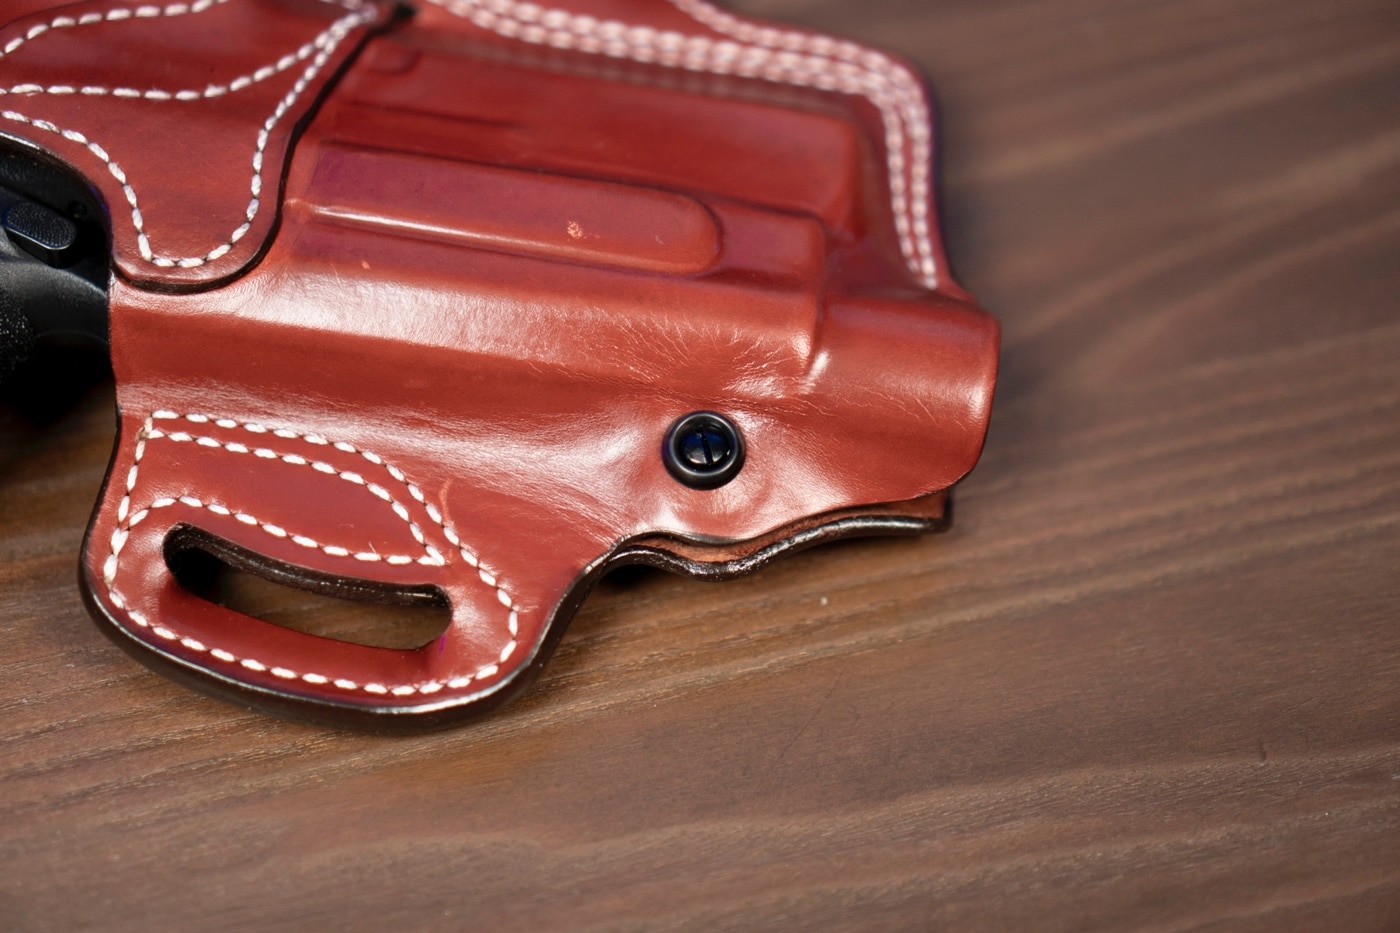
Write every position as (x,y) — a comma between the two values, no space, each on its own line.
(1150,679)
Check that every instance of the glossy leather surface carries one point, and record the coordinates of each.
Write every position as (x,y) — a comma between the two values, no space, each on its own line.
(180,114)
(513,245)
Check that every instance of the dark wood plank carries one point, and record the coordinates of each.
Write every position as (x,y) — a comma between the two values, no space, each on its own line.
(1149,679)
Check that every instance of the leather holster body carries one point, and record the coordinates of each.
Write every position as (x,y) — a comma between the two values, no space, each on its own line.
(406,303)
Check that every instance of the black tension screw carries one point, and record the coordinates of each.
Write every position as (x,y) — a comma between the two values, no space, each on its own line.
(703,450)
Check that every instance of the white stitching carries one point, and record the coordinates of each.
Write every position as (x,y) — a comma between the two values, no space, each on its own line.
(213,90)
(784,56)
(326,42)
(911,100)
(912,105)
(431,556)
(128,520)
(113,15)
(781,56)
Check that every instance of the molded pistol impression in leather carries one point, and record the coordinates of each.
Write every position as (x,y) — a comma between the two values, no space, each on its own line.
(474,300)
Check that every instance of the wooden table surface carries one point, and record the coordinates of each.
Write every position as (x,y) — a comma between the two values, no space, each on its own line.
(1150,679)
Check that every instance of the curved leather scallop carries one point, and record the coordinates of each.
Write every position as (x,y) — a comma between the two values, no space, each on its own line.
(180,113)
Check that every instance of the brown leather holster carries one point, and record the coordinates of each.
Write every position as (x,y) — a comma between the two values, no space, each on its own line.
(407,301)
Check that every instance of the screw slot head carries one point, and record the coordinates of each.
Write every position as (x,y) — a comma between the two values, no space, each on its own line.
(703,450)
